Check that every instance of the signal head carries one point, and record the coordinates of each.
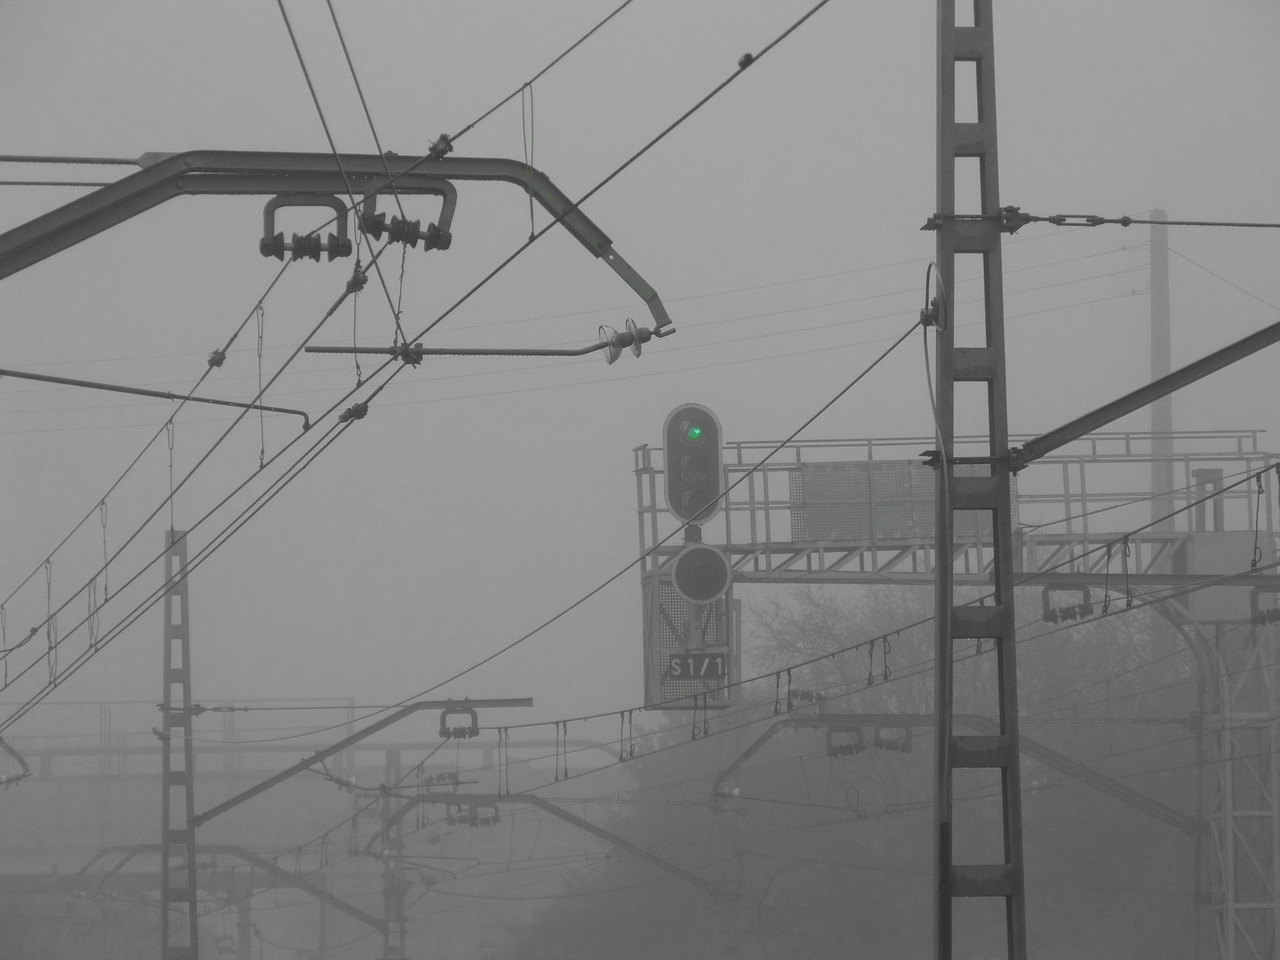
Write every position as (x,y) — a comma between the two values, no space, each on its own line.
(694,468)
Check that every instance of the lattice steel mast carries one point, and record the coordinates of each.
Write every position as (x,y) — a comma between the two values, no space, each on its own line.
(178,931)
(985,496)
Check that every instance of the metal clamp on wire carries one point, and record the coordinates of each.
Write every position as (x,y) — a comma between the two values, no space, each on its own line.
(412,355)
(354,412)
(442,146)
(1012,219)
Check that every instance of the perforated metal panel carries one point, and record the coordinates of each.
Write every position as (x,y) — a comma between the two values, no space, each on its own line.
(882,501)
(666,635)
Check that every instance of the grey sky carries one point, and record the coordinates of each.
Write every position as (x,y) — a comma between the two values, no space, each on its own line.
(480,497)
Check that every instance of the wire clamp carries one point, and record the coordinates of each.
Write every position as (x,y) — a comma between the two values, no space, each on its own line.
(355,412)
(1012,219)
(440,148)
(412,355)
(929,314)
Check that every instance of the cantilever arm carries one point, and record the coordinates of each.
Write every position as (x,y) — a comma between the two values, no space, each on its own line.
(1045,444)
(158,394)
(236,171)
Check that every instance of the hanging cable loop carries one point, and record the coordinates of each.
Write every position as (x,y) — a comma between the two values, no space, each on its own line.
(50,625)
(1257,530)
(102,519)
(526,131)
(260,310)
(1128,593)
(1106,583)
(91,621)
(168,435)
(871,663)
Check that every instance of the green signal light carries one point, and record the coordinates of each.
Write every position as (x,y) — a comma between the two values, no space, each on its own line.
(693,432)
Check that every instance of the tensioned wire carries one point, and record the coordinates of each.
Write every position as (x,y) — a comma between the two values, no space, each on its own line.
(689,326)
(273,490)
(635,156)
(903,807)
(133,162)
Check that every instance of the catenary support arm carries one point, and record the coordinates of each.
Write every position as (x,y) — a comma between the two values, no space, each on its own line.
(1045,444)
(164,176)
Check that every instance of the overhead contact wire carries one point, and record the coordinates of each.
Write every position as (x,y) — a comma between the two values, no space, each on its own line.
(515,93)
(156,436)
(348,290)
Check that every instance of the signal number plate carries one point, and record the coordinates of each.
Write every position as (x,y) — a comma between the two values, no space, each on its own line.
(696,666)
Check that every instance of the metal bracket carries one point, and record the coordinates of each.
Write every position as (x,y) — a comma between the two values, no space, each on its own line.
(244,172)
(438,235)
(1256,613)
(459,733)
(1056,614)
(304,245)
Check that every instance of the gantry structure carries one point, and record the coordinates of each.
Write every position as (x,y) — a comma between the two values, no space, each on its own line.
(1086,531)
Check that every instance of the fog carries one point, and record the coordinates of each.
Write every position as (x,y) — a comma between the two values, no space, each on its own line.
(475,534)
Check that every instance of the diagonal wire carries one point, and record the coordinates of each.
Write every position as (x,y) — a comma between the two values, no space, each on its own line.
(742,66)
(515,93)
(159,433)
(333,148)
(763,460)
(1229,283)
(363,103)
(348,291)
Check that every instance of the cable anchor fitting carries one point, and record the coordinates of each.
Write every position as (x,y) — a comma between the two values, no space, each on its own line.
(442,147)
(1012,219)
(354,412)
(929,314)
(358,280)
(411,355)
